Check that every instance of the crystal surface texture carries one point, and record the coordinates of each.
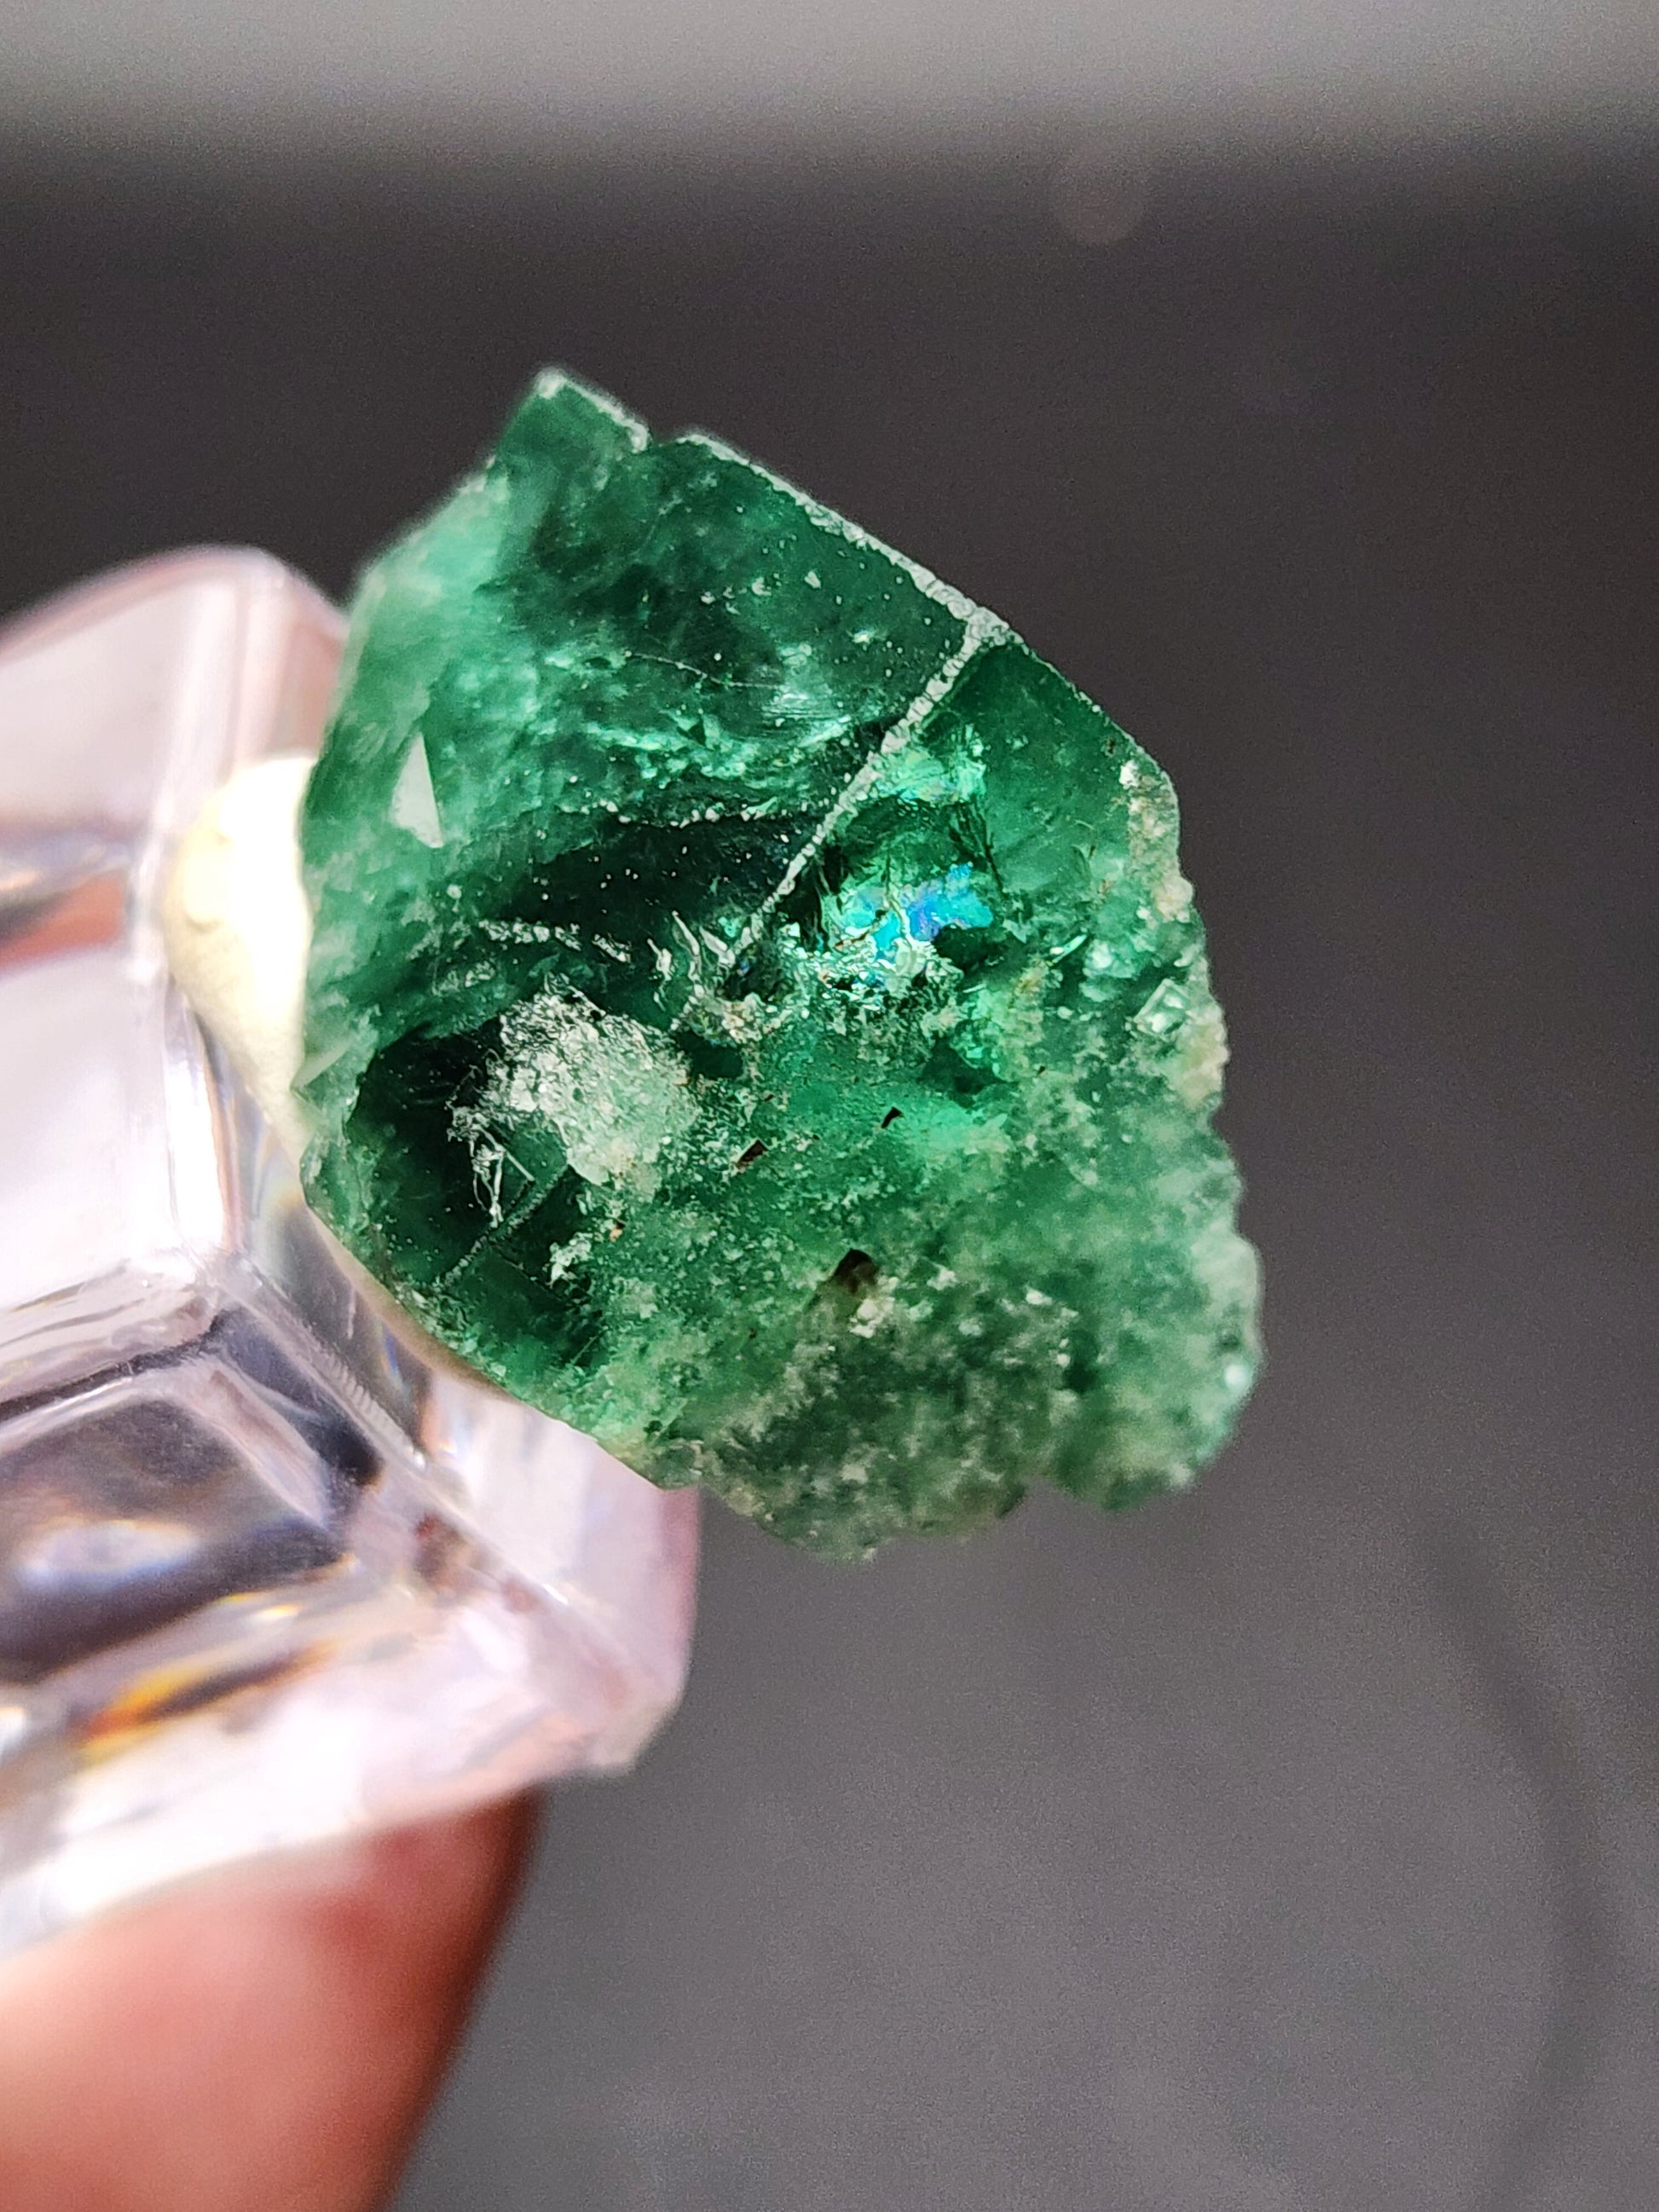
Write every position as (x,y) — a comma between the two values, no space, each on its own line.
(271,1568)
(756,1011)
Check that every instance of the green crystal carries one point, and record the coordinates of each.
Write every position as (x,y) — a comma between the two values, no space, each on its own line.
(755,1012)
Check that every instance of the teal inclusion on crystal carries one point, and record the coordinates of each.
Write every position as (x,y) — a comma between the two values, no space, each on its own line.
(879,924)
(755,1012)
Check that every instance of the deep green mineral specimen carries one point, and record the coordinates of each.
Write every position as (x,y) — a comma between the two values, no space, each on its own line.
(755,1012)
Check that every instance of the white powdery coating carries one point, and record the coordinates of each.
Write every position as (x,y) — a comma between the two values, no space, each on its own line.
(615,1093)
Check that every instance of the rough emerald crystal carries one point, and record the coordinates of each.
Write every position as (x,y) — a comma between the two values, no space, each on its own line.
(755,1012)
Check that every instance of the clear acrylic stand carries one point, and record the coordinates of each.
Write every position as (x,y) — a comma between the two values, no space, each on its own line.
(271,1568)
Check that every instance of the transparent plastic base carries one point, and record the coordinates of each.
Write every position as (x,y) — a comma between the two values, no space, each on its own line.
(271,1569)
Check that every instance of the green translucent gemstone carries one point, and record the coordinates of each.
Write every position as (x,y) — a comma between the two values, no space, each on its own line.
(755,1012)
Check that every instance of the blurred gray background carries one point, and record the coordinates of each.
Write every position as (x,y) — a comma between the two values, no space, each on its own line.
(1285,373)
(416,73)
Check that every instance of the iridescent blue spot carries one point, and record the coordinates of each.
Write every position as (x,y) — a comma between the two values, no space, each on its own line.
(884,921)
(953,904)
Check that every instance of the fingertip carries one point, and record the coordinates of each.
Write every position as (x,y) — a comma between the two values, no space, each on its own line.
(269,2037)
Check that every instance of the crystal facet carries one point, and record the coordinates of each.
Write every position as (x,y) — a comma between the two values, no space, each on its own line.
(755,1009)
(271,1567)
